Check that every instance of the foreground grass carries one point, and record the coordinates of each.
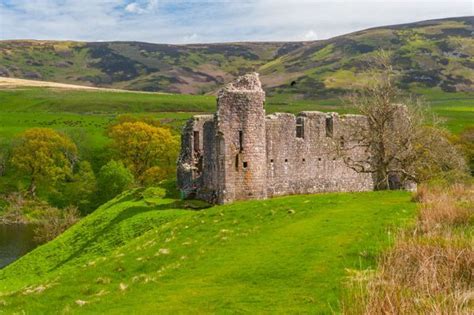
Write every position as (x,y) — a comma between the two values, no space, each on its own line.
(144,254)
(430,269)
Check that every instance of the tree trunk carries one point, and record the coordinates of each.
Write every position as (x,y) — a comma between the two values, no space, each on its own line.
(32,187)
(382,179)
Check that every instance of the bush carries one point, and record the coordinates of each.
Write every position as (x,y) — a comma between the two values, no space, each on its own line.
(53,222)
(153,176)
(78,191)
(113,179)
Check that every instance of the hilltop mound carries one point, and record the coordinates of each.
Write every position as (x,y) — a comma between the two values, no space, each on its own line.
(141,253)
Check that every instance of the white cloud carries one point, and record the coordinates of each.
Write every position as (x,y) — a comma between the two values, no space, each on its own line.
(191,38)
(134,8)
(137,8)
(310,35)
(179,21)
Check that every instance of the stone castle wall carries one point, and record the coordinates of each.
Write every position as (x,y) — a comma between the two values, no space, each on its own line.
(239,153)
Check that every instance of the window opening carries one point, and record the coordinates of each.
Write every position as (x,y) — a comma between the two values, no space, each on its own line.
(329,126)
(241,141)
(300,127)
(196,140)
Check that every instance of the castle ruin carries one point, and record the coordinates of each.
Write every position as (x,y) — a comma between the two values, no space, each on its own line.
(240,153)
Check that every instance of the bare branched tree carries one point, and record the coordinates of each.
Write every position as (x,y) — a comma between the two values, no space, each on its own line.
(403,149)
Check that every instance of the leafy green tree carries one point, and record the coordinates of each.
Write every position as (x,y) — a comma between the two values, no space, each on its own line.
(113,179)
(79,191)
(142,146)
(44,154)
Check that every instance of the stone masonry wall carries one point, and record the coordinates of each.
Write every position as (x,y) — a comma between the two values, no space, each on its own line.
(239,153)
(241,130)
(308,161)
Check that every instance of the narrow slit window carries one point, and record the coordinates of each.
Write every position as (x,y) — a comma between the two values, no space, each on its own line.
(241,141)
(300,127)
(237,162)
(329,126)
(245,164)
(196,140)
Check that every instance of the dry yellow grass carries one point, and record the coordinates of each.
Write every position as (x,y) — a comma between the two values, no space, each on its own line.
(430,269)
(8,83)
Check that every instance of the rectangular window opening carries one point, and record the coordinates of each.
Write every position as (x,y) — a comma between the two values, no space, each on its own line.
(299,127)
(245,164)
(196,141)
(237,162)
(241,141)
(329,126)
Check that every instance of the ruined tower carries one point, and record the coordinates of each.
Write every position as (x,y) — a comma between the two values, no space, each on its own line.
(240,131)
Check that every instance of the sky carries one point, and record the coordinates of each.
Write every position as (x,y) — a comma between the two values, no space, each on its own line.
(205,21)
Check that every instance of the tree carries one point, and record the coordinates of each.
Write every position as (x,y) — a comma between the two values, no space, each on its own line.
(79,190)
(465,141)
(142,146)
(404,144)
(113,179)
(5,152)
(44,154)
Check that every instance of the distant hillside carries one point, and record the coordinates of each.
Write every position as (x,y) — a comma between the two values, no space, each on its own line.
(437,53)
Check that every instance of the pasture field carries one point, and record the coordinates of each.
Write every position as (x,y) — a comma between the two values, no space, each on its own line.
(91,110)
(84,114)
(146,251)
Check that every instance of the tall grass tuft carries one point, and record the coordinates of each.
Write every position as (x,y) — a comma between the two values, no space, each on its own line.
(430,268)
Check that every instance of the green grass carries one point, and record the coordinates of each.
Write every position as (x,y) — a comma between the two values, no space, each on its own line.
(100,102)
(84,115)
(91,110)
(456,109)
(284,255)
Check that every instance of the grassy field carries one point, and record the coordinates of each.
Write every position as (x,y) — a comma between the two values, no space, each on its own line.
(141,253)
(91,110)
(84,114)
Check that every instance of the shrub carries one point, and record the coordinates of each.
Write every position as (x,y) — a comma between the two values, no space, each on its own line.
(153,176)
(53,222)
(113,179)
(78,191)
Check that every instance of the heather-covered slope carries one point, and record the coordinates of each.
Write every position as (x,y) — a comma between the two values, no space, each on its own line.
(438,53)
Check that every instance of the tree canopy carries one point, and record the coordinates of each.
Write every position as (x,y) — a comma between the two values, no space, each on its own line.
(44,154)
(142,146)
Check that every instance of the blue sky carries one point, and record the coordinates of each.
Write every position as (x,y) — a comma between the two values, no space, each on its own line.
(199,21)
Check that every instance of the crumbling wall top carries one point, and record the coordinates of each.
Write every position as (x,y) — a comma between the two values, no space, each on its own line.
(246,83)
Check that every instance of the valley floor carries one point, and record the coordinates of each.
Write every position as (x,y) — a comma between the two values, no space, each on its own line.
(143,253)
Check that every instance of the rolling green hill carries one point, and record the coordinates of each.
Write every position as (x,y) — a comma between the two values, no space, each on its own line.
(429,54)
(145,252)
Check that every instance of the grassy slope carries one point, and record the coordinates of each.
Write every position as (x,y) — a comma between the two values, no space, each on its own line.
(138,255)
